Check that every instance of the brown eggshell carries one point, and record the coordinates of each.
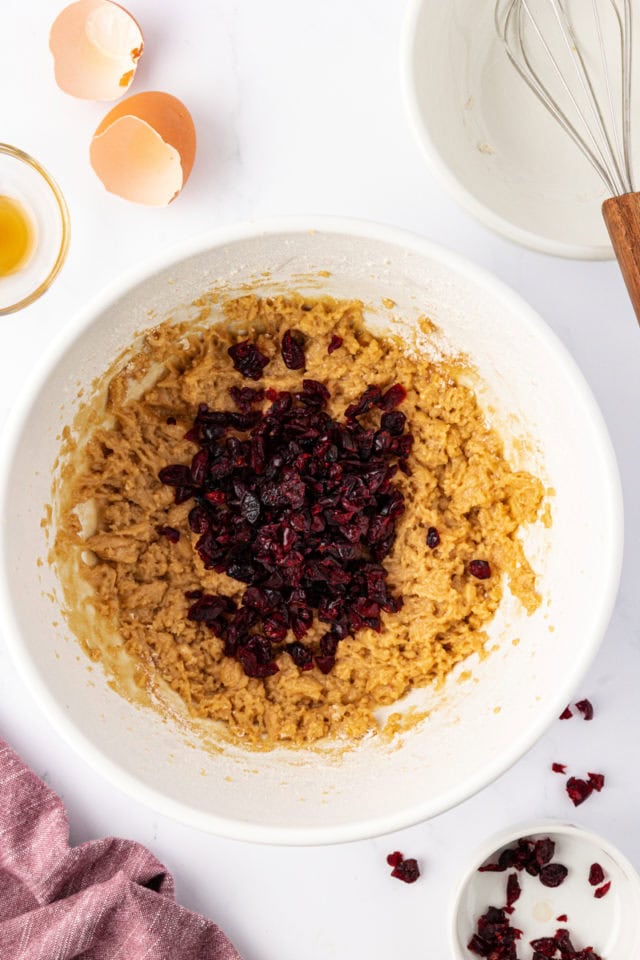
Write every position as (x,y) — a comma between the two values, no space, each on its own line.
(96,45)
(145,147)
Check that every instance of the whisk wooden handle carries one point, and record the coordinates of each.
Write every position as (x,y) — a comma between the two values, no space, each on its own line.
(622,217)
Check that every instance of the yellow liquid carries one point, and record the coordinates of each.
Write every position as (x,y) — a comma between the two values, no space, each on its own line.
(17,236)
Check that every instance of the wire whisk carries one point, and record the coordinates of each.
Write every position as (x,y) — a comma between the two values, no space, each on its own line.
(577,58)
(600,118)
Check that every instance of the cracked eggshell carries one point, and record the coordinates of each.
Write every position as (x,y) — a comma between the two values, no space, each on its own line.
(96,45)
(144,148)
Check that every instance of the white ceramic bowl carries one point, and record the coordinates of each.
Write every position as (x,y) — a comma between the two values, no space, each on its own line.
(489,140)
(531,389)
(611,925)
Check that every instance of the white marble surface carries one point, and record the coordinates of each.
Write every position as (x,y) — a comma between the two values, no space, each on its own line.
(298,110)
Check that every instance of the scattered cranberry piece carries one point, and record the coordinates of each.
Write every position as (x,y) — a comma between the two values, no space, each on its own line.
(553,874)
(603,890)
(566,714)
(433,538)
(335,343)
(559,767)
(513,891)
(170,533)
(292,352)
(586,709)
(596,874)
(563,918)
(480,569)
(596,780)
(247,359)
(578,790)
(405,870)
(171,421)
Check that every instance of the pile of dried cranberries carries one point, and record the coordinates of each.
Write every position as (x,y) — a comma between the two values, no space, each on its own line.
(297,505)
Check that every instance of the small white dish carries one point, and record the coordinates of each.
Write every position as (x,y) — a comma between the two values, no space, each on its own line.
(489,140)
(611,925)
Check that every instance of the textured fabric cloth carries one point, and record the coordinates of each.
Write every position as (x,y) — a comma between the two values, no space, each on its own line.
(104,900)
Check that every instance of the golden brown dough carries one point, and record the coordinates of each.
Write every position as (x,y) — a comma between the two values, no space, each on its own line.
(460,484)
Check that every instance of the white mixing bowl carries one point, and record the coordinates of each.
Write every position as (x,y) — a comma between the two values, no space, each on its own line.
(487,137)
(532,390)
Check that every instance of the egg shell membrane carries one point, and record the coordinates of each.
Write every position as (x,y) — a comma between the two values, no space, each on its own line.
(96,45)
(134,162)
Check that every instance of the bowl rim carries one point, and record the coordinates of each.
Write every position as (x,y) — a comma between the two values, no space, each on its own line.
(509,835)
(372,826)
(457,190)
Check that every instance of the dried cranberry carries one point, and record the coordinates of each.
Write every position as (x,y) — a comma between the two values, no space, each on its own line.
(547,946)
(559,767)
(578,790)
(171,421)
(513,891)
(176,475)
(406,870)
(170,533)
(566,714)
(480,569)
(325,664)
(597,781)
(335,343)
(370,398)
(495,937)
(392,398)
(553,874)
(563,918)
(248,360)
(603,890)
(393,423)
(292,352)
(586,709)
(302,657)
(433,538)
(544,851)
(596,874)
(506,860)
(302,509)
(245,397)
(479,946)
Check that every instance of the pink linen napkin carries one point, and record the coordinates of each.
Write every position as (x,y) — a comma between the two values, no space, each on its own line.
(108,899)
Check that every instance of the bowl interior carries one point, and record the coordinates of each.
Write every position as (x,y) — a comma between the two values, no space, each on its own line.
(610,924)
(530,389)
(500,152)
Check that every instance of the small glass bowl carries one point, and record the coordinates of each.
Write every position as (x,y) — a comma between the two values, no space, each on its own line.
(611,925)
(25,180)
